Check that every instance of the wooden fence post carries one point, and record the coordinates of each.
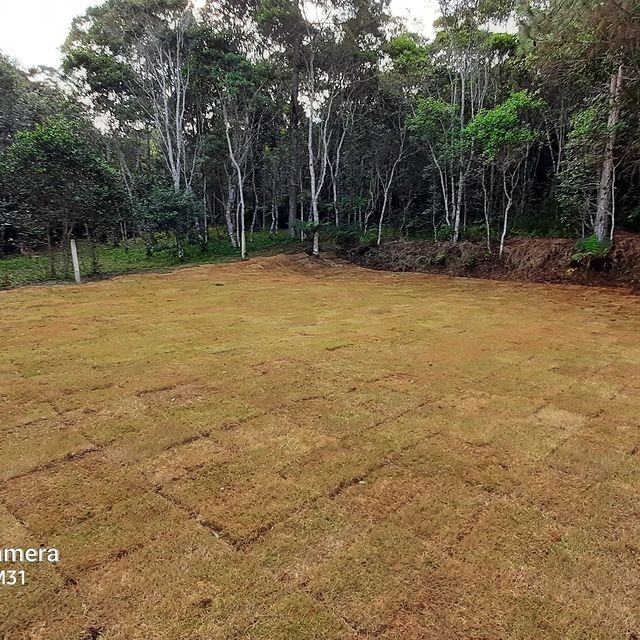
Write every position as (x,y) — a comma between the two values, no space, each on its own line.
(76,264)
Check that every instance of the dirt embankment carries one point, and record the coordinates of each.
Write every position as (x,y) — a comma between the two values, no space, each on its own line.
(533,259)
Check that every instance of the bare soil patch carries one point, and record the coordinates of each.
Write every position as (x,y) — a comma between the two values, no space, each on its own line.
(291,449)
(527,259)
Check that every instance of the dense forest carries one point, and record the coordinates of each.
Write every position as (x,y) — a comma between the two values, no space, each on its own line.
(169,119)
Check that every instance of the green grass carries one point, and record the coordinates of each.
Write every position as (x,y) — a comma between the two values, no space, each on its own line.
(131,256)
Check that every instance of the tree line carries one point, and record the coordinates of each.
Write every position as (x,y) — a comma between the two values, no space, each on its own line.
(326,116)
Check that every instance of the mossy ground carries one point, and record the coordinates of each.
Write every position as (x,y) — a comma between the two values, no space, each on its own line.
(292,449)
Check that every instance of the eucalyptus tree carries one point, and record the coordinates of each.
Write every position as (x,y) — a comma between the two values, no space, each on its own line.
(130,58)
(503,136)
(462,72)
(320,92)
(244,108)
(592,47)
(239,104)
(463,58)
(393,146)
(361,28)
(341,52)
(276,29)
(323,51)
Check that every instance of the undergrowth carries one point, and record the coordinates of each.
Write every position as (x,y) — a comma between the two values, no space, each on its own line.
(130,256)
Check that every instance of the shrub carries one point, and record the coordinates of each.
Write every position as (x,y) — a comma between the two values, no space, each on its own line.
(476,233)
(589,249)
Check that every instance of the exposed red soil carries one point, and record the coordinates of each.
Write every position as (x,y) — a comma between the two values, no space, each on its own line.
(529,259)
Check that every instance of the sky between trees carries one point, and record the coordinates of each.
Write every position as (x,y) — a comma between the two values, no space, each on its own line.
(32,31)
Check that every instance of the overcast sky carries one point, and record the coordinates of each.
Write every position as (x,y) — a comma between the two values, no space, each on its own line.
(32,31)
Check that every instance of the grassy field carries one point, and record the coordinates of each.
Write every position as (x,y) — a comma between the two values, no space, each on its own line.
(131,256)
(292,449)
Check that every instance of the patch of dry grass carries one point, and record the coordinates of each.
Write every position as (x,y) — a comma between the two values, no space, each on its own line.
(290,449)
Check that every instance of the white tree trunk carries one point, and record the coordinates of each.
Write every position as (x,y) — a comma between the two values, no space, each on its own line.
(514,178)
(316,182)
(485,202)
(166,84)
(387,186)
(231,227)
(605,187)
(315,217)
(242,238)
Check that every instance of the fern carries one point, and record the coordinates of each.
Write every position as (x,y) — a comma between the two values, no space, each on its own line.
(589,248)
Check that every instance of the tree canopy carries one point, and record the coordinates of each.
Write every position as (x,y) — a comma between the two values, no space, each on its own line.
(168,118)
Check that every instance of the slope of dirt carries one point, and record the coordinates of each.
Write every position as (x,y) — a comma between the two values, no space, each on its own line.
(296,449)
(529,259)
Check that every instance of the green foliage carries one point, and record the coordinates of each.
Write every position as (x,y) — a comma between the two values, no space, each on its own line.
(172,212)
(276,14)
(407,54)
(104,73)
(216,65)
(432,118)
(56,176)
(352,203)
(499,131)
(445,233)
(576,182)
(588,124)
(370,238)
(343,237)
(436,123)
(503,43)
(278,18)
(590,248)
(475,233)
(26,102)
(307,227)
